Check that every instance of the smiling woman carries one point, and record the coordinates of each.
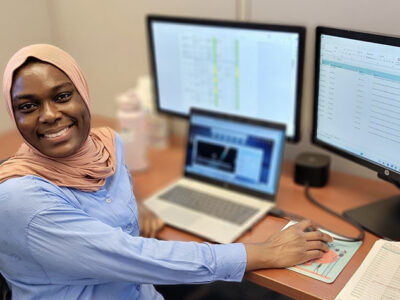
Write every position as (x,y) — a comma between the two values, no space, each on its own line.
(48,99)
(69,224)
(49,112)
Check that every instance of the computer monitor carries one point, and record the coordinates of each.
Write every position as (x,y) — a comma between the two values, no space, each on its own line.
(244,69)
(357,112)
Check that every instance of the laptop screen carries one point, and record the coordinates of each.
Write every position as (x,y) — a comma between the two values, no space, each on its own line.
(235,152)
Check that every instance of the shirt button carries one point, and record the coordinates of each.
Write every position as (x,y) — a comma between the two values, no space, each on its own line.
(138,287)
(108,200)
(129,228)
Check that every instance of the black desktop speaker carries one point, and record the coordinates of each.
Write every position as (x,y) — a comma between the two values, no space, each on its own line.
(312,168)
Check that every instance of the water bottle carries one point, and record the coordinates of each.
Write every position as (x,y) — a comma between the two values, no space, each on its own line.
(133,130)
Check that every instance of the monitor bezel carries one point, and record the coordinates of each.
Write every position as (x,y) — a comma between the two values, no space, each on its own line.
(300,30)
(231,186)
(382,172)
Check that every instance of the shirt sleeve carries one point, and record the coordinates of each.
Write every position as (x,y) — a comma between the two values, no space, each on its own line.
(73,247)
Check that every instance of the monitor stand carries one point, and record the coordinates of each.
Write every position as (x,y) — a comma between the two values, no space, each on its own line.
(381,218)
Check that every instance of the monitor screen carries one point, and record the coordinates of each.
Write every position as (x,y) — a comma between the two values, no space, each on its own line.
(250,70)
(357,98)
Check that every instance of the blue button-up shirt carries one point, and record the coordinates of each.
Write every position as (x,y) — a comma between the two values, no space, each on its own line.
(62,243)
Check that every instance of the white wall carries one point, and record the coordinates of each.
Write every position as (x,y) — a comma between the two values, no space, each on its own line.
(22,22)
(108,38)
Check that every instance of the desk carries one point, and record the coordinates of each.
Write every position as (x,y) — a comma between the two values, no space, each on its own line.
(343,192)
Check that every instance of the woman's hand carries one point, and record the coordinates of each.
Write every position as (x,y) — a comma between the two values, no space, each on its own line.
(292,246)
(149,223)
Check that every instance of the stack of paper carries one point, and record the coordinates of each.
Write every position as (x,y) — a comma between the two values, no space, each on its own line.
(378,277)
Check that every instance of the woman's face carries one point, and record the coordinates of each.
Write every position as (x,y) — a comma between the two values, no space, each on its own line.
(49,112)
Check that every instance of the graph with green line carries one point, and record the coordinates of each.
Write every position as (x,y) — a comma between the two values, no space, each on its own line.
(211,66)
(249,72)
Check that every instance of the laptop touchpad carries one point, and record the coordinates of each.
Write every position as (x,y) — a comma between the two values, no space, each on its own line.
(172,215)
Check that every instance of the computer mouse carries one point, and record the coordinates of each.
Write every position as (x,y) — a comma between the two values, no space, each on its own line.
(309,229)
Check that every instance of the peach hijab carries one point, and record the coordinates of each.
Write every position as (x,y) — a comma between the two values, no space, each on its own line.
(86,169)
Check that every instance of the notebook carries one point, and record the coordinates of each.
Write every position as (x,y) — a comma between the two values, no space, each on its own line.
(231,176)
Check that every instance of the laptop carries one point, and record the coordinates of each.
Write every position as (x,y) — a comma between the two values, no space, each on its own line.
(231,176)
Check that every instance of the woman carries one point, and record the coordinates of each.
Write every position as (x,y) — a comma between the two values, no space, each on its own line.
(68,216)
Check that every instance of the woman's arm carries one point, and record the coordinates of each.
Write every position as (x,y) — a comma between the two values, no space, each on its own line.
(72,247)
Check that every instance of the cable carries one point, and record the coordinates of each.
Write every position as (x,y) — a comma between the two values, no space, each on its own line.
(283,214)
(356,225)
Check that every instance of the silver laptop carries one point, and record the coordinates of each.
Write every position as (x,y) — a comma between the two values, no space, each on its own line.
(231,176)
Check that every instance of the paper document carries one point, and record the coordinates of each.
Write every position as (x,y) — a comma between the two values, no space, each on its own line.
(378,277)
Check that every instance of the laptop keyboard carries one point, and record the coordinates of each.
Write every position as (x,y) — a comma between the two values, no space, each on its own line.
(209,204)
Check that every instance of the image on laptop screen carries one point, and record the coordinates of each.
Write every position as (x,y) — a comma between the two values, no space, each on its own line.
(239,152)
